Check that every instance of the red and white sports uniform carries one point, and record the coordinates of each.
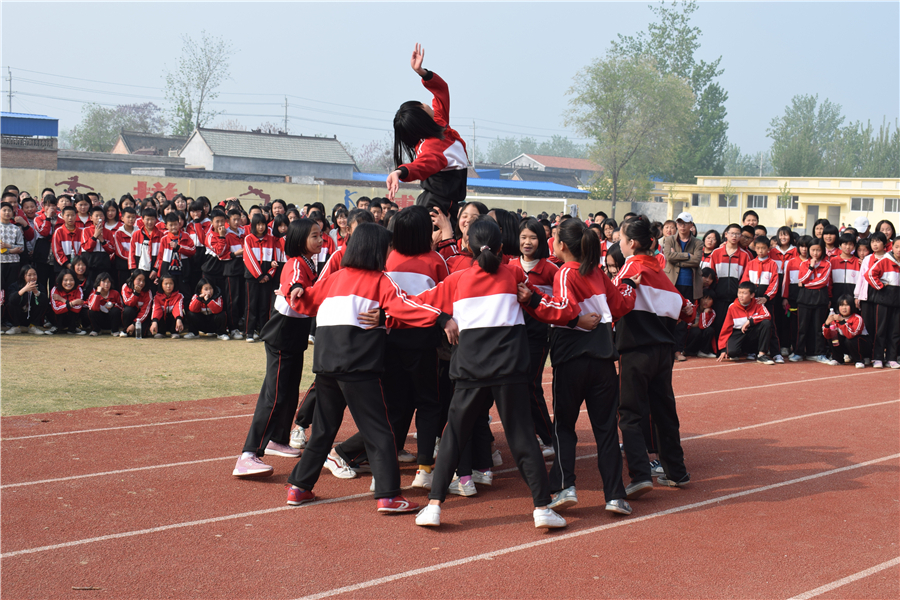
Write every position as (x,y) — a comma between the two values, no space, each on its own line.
(739,315)
(763,273)
(98,303)
(144,249)
(259,253)
(65,245)
(174,259)
(200,306)
(844,276)
(729,270)
(65,305)
(122,243)
(143,302)
(171,305)
(781,257)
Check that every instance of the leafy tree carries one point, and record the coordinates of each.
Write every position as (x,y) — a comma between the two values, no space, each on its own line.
(100,125)
(744,165)
(202,68)
(633,113)
(673,41)
(801,136)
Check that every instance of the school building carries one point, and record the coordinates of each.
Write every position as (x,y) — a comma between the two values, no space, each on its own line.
(797,202)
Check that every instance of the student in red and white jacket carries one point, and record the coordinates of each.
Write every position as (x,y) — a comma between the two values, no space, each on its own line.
(66,243)
(844,269)
(436,151)
(729,261)
(286,339)
(748,327)
(138,304)
(645,340)
(883,278)
(534,260)
(234,273)
(97,244)
(260,248)
(122,244)
(105,307)
(206,311)
(847,334)
(790,290)
(762,272)
(175,250)
(348,361)
(812,298)
(168,310)
(784,250)
(490,364)
(410,378)
(197,228)
(45,224)
(584,370)
(698,340)
(144,250)
(66,300)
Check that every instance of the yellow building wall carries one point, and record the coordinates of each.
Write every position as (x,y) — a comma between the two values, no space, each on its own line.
(810,192)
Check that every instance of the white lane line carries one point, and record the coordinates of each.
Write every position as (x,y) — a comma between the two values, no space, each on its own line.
(43,435)
(799,381)
(117,472)
(568,536)
(205,460)
(849,579)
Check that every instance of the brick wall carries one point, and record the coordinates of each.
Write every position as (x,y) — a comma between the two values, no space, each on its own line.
(28,158)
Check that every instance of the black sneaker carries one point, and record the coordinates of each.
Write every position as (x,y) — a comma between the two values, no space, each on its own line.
(638,489)
(663,480)
(764,359)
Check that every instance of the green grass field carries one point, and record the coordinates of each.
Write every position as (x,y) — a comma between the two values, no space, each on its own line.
(41,374)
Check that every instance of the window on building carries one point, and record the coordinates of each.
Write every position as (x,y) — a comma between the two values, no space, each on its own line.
(862,204)
(754,201)
(892,205)
(727,200)
(659,198)
(699,199)
(792,203)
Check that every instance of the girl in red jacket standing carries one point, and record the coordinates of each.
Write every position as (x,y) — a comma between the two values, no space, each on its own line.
(436,152)
(814,282)
(645,340)
(260,248)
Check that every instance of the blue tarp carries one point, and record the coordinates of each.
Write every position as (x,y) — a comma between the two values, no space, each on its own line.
(525,186)
(28,125)
(488,173)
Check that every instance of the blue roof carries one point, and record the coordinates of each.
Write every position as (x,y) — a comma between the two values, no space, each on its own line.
(532,186)
(27,116)
(28,125)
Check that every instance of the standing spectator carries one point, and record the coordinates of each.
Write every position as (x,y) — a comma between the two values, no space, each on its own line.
(683,253)
(12,244)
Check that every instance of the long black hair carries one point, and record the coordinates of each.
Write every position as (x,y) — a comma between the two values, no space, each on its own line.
(509,230)
(643,232)
(582,243)
(412,125)
(411,229)
(485,242)
(367,248)
(532,225)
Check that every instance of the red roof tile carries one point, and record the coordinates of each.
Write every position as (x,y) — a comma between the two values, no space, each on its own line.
(557,162)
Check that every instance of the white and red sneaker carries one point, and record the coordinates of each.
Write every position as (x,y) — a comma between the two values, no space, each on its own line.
(398,504)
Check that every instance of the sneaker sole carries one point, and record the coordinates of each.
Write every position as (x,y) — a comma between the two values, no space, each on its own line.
(280,453)
(670,483)
(463,493)
(617,510)
(415,508)
(299,502)
(564,504)
(424,486)
(640,491)
(253,473)
(428,524)
(546,525)
(296,445)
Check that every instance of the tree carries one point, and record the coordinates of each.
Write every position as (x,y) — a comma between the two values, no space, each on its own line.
(673,41)
(744,165)
(633,113)
(375,157)
(230,125)
(270,127)
(100,126)
(801,136)
(202,67)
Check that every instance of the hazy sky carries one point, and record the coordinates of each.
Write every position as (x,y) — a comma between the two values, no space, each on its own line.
(508,64)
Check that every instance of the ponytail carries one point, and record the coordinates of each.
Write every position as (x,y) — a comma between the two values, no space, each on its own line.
(642,232)
(582,242)
(485,244)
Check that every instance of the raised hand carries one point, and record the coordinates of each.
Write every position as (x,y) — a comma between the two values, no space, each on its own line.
(393,184)
(415,62)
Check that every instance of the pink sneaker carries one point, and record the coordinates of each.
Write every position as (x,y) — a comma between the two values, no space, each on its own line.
(894,364)
(276,449)
(251,467)
(398,504)
(296,496)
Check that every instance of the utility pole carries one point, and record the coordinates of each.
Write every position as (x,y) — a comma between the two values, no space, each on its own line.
(473,145)
(285,115)
(10,88)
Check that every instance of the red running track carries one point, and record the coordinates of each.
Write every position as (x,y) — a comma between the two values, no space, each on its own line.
(796,473)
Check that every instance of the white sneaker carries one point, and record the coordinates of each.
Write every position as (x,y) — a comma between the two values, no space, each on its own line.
(860,365)
(256,336)
(189,336)
(846,358)
(13,331)
(224,337)
(546,451)
(123,334)
(833,363)
(77,332)
(894,364)
(312,340)
(175,336)
(785,352)
(158,336)
(298,438)
(779,360)
(405,456)
(619,506)
(423,479)
(545,518)
(483,477)
(705,355)
(35,331)
(236,335)
(462,489)
(437,442)
(496,459)
(429,516)
(94,334)
(339,468)
(877,364)
(251,340)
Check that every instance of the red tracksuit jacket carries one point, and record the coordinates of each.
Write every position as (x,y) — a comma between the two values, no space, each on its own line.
(883,278)
(764,275)
(738,315)
(259,254)
(168,305)
(91,244)
(142,302)
(98,303)
(201,306)
(66,244)
(141,243)
(729,270)
(174,259)
(65,306)
(814,282)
